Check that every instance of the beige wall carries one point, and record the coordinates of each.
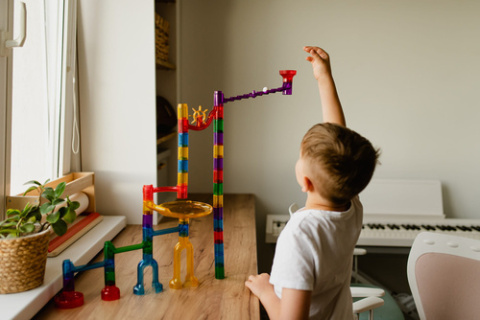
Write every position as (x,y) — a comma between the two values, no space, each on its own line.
(408,75)
(116,58)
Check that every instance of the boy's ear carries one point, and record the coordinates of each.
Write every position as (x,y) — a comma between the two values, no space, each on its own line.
(307,184)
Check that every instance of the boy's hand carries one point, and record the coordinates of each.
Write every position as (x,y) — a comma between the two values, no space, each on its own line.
(331,106)
(320,62)
(259,284)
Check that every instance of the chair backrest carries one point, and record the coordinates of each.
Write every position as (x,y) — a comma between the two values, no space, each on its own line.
(444,275)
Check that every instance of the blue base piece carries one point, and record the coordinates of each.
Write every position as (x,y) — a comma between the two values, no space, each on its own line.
(158,287)
(139,289)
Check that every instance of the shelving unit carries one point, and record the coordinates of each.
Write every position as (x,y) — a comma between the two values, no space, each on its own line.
(166,86)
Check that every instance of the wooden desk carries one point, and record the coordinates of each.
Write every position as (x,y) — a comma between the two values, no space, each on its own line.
(212,299)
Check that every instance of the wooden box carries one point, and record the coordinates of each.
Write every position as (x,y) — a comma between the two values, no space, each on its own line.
(76,182)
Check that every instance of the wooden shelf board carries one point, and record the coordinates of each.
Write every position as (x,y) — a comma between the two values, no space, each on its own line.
(166,137)
(165,65)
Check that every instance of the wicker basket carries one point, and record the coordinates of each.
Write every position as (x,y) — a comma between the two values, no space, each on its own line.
(22,262)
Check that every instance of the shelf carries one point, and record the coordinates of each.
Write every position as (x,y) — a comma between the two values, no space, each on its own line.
(166,137)
(165,65)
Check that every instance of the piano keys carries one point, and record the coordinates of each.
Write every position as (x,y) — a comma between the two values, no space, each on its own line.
(401,233)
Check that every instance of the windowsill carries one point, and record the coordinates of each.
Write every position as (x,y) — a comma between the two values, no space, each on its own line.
(25,305)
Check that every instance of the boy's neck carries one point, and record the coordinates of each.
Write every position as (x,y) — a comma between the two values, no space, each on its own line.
(318,203)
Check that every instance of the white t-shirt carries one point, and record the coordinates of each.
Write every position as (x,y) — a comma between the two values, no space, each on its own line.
(314,252)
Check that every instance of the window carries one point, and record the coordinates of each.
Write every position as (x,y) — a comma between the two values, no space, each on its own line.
(5,67)
(42,83)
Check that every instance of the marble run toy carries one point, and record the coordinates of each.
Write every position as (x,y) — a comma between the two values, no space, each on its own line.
(182,209)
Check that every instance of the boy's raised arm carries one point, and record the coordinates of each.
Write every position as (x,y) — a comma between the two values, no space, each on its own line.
(331,106)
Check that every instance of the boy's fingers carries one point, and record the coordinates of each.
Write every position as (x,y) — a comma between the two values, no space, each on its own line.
(311,50)
(316,51)
(322,53)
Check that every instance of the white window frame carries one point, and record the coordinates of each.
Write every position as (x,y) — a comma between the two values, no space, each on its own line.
(6,23)
(65,160)
(69,159)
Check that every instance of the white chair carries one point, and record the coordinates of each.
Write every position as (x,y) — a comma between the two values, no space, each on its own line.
(444,276)
(367,304)
(371,296)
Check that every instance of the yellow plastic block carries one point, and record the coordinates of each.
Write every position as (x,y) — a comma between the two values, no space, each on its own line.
(182,178)
(182,110)
(218,201)
(218,151)
(182,153)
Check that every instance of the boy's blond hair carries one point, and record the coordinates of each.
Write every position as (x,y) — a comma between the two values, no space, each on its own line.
(341,161)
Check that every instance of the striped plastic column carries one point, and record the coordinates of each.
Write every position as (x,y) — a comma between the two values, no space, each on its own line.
(218,185)
(182,175)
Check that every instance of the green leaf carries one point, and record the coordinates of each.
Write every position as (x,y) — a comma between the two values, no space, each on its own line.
(28,207)
(54,217)
(7,224)
(30,189)
(13,218)
(60,227)
(9,230)
(33,182)
(46,208)
(48,194)
(34,214)
(73,205)
(62,211)
(12,212)
(27,228)
(37,215)
(14,234)
(26,210)
(70,216)
(59,189)
(58,201)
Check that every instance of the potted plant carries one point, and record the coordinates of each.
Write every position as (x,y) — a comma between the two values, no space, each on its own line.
(25,233)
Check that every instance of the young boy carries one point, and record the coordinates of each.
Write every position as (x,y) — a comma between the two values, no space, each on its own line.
(311,270)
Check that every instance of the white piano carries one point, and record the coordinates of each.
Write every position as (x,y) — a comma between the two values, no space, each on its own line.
(396,211)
